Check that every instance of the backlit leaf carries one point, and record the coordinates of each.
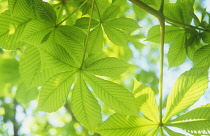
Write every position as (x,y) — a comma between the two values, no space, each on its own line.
(171,33)
(115,35)
(126,24)
(122,125)
(196,121)
(95,41)
(55,91)
(202,57)
(19,7)
(84,105)
(146,101)
(110,13)
(177,51)
(107,67)
(35,31)
(113,95)
(189,87)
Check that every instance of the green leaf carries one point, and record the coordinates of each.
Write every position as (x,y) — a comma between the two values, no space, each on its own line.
(19,7)
(95,40)
(171,33)
(24,96)
(30,69)
(122,125)
(205,37)
(180,11)
(45,12)
(123,23)
(11,29)
(84,22)
(55,91)
(35,31)
(113,95)
(202,57)
(84,105)
(177,51)
(196,121)
(189,87)
(107,67)
(72,40)
(110,13)
(115,35)
(55,56)
(146,101)
(172,133)
(70,33)
(30,65)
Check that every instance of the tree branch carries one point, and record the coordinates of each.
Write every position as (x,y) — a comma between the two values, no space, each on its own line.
(159,15)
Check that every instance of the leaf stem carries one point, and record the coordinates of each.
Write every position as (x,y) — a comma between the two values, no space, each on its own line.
(71,13)
(159,13)
(88,33)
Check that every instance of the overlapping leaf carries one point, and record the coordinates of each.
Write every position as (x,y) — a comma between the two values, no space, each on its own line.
(19,7)
(196,121)
(84,105)
(9,36)
(30,69)
(171,33)
(113,95)
(146,101)
(111,12)
(55,56)
(189,87)
(123,125)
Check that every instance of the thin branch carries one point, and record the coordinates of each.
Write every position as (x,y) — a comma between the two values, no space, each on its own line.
(88,33)
(162,41)
(72,13)
(158,14)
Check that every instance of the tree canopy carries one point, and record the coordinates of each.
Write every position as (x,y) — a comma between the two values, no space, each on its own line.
(99,67)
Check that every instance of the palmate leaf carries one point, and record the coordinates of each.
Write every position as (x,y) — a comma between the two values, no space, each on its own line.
(189,87)
(107,67)
(113,95)
(55,56)
(177,51)
(55,91)
(11,29)
(84,105)
(196,121)
(115,35)
(146,101)
(202,57)
(30,68)
(122,125)
(171,33)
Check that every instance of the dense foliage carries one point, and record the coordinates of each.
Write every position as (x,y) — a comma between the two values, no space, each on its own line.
(78,54)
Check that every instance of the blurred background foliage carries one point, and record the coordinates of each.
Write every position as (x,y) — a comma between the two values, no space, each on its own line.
(18,114)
